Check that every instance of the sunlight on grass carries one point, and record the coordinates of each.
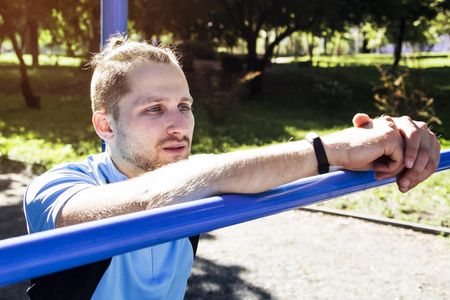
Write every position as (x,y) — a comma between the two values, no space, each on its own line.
(408,60)
(36,152)
(44,60)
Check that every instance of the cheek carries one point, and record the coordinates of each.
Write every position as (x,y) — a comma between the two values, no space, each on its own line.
(191,123)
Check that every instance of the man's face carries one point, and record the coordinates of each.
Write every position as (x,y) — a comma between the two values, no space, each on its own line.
(155,124)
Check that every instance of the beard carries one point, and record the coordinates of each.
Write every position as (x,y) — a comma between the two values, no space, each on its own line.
(134,151)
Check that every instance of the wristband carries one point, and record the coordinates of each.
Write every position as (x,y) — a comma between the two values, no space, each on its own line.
(316,142)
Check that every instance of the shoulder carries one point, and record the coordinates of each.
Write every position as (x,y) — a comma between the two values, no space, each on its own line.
(46,194)
(88,170)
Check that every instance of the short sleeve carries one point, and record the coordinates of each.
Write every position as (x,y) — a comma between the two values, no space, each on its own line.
(47,194)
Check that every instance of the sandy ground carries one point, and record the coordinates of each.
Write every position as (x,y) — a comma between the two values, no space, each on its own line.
(294,255)
(301,255)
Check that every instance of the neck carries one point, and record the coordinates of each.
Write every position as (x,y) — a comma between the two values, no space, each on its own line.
(127,169)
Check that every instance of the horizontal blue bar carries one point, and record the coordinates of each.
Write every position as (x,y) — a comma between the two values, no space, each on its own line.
(47,252)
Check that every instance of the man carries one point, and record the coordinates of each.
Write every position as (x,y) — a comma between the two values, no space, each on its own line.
(142,109)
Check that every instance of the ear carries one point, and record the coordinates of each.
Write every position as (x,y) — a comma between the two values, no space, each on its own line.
(102,124)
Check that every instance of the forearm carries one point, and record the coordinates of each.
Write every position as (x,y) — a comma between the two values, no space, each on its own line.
(249,171)
(258,170)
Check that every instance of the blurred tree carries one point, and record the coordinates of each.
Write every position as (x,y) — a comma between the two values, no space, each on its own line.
(187,20)
(248,18)
(333,18)
(398,16)
(224,22)
(75,26)
(426,33)
(13,25)
(33,12)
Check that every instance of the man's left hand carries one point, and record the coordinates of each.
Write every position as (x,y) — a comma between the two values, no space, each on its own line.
(422,151)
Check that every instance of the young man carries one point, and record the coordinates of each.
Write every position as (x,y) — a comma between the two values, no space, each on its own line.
(142,109)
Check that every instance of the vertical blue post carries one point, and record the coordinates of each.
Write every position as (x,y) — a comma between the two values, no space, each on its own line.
(114,18)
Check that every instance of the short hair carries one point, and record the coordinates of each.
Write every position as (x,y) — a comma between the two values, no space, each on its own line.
(111,66)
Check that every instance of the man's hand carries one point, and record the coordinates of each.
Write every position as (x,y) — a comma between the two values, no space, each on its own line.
(421,151)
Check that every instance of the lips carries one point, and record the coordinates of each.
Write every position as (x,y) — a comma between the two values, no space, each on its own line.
(175,148)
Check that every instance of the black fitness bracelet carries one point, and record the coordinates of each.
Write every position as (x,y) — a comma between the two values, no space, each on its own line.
(314,139)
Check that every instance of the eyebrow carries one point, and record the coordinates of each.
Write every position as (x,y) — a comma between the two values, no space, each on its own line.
(143,101)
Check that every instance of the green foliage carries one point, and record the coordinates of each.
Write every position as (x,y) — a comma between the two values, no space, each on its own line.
(397,96)
(38,153)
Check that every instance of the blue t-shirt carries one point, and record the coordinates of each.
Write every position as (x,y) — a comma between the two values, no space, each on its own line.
(158,272)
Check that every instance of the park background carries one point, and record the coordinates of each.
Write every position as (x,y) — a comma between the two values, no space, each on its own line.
(261,72)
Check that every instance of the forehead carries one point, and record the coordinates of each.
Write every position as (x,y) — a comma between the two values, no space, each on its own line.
(157,81)
(157,74)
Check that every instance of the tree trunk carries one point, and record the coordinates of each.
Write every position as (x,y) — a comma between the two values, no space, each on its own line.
(254,65)
(311,47)
(31,100)
(94,43)
(33,44)
(399,44)
(365,43)
(258,65)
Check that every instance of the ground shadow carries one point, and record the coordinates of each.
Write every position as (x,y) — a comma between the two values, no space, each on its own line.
(213,281)
(12,223)
(16,291)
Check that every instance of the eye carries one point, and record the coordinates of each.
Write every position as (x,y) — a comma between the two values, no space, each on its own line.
(154,109)
(185,108)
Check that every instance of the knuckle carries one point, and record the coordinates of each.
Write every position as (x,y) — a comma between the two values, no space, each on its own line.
(432,134)
(406,118)
(422,125)
(390,133)
(385,119)
(415,134)
(388,119)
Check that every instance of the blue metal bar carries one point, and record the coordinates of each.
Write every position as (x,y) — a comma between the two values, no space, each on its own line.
(114,19)
(51,251)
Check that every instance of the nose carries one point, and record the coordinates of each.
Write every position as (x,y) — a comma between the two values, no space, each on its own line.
(178,123)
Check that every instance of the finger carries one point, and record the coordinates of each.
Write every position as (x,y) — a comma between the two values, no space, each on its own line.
(411,177)
(379,175)
(423,168)
(361,120)
(411,132)
(394,147)
(383,170)
(422,160)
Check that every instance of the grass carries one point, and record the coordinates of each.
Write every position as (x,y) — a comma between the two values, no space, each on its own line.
(428,203)
(416,60)
(44,60)
(296,100)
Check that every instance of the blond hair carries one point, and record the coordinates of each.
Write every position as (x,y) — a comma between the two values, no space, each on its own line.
(111,66)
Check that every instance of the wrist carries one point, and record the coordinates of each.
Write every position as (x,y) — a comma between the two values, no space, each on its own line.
(333,149)
(323,166)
